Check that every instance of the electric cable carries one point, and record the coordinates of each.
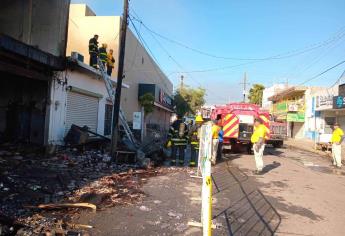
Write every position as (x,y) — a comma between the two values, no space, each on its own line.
(323,72)
(285,55)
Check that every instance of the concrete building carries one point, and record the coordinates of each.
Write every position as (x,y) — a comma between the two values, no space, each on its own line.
(32,51)
(324,110)
(142,74)
(307,111)
(269,92)
(288,105)
(79,97)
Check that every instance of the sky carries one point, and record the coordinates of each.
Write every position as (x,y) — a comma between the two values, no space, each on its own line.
(272,41)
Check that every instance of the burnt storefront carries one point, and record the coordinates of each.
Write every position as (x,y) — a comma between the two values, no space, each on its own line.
(32,52)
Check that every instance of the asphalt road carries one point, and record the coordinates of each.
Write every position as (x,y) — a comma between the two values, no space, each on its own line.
(299,194)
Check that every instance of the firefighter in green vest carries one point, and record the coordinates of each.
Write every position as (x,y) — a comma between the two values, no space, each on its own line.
(194,136)
(178,133)
(103,54)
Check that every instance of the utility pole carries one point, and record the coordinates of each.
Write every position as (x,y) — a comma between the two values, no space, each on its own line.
(181,84)
(117,101)
(244,86)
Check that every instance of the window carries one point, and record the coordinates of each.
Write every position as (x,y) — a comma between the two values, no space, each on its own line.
(329,121)
(108,119)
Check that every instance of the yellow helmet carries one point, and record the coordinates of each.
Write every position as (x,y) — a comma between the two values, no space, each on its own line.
(199,118)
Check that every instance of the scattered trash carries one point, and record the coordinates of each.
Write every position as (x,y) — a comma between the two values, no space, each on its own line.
(66,205)
(175,215)
(157,202)
(144,208)
(164,225)
(180,227)
(61,186)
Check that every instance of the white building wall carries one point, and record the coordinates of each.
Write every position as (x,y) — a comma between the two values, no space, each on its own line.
(81,80)
(139,66)
(269,92)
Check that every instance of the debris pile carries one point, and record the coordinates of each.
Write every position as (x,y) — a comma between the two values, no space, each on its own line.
(40,195)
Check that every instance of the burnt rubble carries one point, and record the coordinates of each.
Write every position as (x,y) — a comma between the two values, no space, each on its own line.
(29,178)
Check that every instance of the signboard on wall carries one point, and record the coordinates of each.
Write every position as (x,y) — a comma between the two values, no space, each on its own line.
(136,120)
(164,98)
(341,90)
(293,107)
(282,106)
(295,117)
(160,95)
(338,102)
(324,102)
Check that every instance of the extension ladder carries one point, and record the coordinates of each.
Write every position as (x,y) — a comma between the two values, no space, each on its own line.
(111,92)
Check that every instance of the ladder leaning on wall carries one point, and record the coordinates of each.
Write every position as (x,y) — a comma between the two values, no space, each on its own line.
(111,93)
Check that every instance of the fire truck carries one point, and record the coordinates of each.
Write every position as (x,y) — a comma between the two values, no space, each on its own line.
(237,120)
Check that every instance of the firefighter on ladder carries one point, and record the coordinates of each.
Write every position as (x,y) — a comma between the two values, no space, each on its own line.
(178,136)
(194,135)
(93,51)
(103,56)
(258,141)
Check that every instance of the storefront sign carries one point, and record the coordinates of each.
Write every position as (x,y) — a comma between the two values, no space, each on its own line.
(282,106)
(338,102)
(136,120)
(293,107)
(341,90)
(295,117)
(324,102)
(164,98)
(161,96)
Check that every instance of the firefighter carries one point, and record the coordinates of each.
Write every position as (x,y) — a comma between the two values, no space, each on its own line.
(215,141)
(337,139)
(103,54)
(220,142)
(194,135)
(93,51)
(178,135)
(258,141)
(110,62)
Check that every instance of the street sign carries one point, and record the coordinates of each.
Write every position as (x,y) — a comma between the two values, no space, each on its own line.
(137,120)
(338,102)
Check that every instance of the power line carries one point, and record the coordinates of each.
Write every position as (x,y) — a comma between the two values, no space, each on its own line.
(152,57)
(173,59)
(338,80)
(301,67)
(285,55)
(325,71)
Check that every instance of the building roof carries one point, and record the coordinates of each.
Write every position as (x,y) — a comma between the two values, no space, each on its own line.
(289,92)
(72,62)
(25,52)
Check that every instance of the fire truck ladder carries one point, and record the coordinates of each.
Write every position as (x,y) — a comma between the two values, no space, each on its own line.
(111,93)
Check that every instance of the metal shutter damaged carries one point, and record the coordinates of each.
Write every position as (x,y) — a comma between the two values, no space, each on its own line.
(81,110)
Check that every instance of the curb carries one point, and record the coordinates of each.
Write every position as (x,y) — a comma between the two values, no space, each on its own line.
(321,153)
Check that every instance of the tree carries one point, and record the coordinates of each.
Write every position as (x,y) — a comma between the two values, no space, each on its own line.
(188,100)
(146,101)
(255,94)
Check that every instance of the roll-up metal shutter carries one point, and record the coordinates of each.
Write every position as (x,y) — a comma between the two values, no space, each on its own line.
(81,110)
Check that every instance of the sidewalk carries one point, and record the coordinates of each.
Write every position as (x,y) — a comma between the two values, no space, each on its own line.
(304,145)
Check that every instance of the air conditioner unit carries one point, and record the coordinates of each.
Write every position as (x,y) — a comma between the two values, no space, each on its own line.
(77,56)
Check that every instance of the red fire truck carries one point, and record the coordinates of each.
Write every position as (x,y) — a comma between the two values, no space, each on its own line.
(237,120)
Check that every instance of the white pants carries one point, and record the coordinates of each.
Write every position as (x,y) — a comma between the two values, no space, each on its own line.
(258,156)
(215,143)
(336,154)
